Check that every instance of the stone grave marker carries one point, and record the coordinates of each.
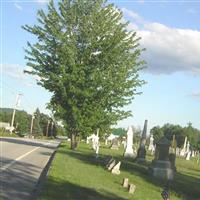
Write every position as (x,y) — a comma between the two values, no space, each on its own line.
(125,183)
(129,143)
(132,188)
(111,165)
(183,150)
(114,144)
(116,168)
(161,166)
(141,154)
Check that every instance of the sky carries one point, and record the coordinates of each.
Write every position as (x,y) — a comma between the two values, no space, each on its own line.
(170,33)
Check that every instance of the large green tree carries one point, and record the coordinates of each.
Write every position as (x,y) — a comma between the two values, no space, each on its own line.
(88,60)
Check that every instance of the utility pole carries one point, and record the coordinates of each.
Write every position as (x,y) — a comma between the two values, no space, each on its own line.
(33,117)
(47,131)
(17,104)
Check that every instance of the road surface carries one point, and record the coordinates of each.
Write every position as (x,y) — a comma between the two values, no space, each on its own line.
(21,164)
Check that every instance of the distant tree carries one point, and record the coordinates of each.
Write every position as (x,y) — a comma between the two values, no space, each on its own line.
(157,133)
(36,125)
(119,131)
(22,123)
(193,136)
(88,60)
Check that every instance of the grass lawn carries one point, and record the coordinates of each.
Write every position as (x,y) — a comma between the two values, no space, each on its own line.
(77,175)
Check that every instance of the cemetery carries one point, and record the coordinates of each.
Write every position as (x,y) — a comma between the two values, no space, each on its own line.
(97,171)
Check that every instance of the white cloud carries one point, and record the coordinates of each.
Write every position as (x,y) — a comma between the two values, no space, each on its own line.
(191,11)
(195,94)
(18,6)
(15,71)
(168,49)
(42,1)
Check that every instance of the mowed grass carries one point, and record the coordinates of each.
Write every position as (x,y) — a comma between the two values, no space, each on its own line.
(78,175)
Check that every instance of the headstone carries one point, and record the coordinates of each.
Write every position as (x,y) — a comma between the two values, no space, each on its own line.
(125,183)
(151,146)
(188,147)
(87,140)
(193,153)
(173,145)
(188,155)
(111,165)
(114,144)
(132,188)
(97,151)
(141,154)
(183,150)
(116,168)
(161,166)
(129,143)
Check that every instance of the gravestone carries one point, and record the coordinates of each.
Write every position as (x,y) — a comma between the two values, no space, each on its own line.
(87,140)
(141,154)
(116,168)
(129,143)
(161,166)
(183,150)
(193,153)
(188,147)
(108,160)
(151,146)
(188,155)
(125,183)
(114,144)
(132,188)
(111,165)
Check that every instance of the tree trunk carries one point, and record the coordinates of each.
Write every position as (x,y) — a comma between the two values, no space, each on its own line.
(73,141)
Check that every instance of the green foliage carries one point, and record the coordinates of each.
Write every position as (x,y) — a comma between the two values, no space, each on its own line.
(22,123)
(169,130)
(37,130)
(119,131)
(88,60)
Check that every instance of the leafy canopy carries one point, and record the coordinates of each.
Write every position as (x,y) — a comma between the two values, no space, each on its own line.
(88,60)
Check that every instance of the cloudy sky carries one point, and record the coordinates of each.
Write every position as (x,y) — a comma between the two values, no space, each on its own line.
(170,32)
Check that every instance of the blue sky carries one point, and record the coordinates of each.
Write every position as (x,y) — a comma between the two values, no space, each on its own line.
(170,33)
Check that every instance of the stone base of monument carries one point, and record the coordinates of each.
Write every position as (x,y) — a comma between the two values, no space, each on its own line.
(115,147)
(129,155)
(162,170)
(141,154)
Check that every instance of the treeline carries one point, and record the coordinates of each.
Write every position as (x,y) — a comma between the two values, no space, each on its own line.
(43,125)
(180,133)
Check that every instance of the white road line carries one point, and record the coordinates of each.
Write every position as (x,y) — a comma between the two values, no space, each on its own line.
(17,159)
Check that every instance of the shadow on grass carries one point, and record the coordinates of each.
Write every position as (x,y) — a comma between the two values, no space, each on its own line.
(184,185)
(63,190)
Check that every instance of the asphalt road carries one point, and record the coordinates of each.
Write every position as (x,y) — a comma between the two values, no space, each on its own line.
(21,164)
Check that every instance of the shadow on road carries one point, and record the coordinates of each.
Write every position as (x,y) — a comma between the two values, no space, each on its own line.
(35,143)
(16,182)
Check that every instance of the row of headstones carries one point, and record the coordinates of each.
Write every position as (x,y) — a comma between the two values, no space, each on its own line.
(114,167)
(163,164)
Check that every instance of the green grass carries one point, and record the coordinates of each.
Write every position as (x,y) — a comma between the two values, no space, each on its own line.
(77,175)
(6,134)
